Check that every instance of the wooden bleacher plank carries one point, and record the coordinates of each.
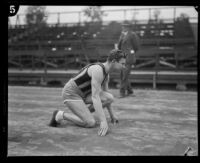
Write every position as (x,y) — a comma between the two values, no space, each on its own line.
(167,64)
(177,50)
(15,63)
(136,76)
(145,63)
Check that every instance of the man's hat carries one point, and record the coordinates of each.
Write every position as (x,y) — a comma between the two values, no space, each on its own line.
(126,23)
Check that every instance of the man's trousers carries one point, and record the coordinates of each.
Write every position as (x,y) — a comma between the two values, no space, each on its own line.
(124,77)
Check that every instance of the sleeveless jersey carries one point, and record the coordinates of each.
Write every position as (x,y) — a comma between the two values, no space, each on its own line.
(84,81)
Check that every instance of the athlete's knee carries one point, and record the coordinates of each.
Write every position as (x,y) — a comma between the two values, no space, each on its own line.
(90,123)
(110,98)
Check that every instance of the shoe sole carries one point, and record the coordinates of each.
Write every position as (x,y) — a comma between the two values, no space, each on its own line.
(130,95)
(53,122)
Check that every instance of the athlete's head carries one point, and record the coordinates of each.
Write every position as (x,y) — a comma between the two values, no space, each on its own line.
(117,58)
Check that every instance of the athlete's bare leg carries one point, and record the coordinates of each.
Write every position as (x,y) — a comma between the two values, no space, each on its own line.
(82,116)
(106,99)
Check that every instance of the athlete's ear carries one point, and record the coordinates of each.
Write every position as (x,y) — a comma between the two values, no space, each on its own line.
(113,61)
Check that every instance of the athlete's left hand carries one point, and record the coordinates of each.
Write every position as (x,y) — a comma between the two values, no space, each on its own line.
(114,120)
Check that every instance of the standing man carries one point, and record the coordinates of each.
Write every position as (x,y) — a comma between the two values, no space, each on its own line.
(129,44)
(90,86)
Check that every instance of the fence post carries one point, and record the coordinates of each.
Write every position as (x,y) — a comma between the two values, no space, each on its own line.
(124,14)
(79,17)
(176,57)
(156,70)
(58,20)
(154,79)
(174,14)
(32,62)
(17,22)
(44,80)
(20,62)
(149,14)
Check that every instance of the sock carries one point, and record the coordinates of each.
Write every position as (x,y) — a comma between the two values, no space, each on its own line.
(59,116)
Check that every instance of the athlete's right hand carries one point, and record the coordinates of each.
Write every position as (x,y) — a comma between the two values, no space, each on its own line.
(103,128)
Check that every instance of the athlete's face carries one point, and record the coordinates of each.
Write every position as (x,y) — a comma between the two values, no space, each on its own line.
(121,64)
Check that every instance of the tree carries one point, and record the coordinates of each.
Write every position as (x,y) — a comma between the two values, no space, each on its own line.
(135,13)
(36,15)
(94,18)
(182,26)
(156,15)
(94,13)
(183,17)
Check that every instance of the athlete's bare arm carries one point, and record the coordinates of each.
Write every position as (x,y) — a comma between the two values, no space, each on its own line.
(96,74)
(113,117)
(105,84)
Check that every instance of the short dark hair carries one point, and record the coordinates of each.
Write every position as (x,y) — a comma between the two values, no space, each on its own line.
(116,54)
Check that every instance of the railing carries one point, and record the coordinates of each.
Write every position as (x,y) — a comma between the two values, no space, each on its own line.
(134,14)
(174,59)
(60,53)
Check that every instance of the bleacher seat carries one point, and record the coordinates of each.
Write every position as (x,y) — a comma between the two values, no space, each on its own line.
(95,41)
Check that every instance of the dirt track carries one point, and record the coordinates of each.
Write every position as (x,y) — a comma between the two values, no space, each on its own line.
(151,123)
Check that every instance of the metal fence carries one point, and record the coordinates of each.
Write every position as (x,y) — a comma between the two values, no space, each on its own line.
(168,14)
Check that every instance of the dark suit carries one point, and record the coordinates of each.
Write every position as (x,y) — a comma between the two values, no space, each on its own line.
(128,42)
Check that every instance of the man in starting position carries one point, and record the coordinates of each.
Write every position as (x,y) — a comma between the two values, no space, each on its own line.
(90,87)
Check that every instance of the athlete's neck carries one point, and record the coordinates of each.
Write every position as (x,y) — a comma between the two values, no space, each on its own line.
(107,66)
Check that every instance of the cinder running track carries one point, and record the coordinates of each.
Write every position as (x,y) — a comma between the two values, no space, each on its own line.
(151,123)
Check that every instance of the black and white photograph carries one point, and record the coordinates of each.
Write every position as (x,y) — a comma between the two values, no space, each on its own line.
(103,80)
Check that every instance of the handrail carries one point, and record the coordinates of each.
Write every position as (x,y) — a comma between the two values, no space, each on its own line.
(174,8)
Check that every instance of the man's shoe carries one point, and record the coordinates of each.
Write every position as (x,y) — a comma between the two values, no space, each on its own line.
(129,92)
(122,95)
(91,108)
(53,122)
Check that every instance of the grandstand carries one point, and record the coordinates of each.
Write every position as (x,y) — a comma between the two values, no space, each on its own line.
(54,52)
